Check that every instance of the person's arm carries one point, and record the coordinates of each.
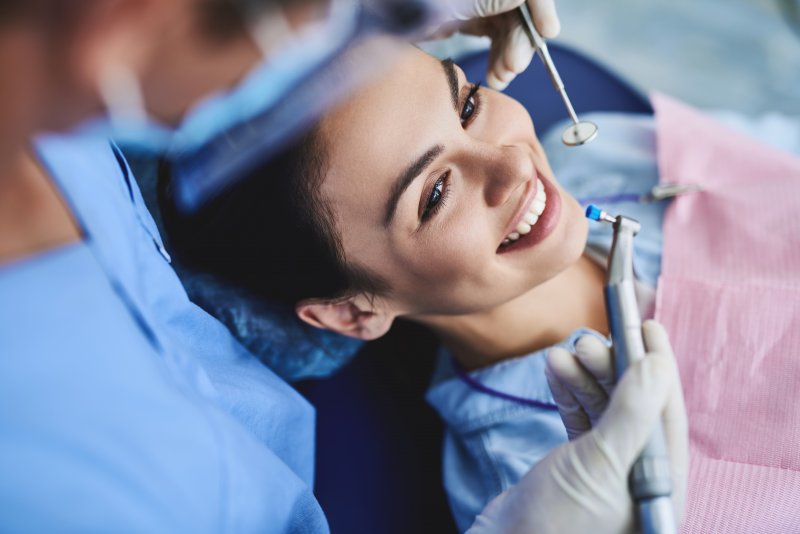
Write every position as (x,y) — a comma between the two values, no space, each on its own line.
(582,486)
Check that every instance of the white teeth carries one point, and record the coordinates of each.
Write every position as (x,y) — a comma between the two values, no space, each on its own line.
(531,217)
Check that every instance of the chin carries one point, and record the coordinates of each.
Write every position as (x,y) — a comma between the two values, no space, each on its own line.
(567,243)
(577,229)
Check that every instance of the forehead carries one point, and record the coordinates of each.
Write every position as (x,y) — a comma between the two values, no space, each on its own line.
(381,129)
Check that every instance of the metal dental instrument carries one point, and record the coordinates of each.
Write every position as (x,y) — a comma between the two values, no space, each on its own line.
(658,192)
(650,480)
(670,190)
(580,132)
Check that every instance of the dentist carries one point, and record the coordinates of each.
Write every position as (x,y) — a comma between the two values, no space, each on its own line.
(123,406)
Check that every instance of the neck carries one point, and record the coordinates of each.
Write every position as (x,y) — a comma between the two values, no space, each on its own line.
(542,317)
(33,216)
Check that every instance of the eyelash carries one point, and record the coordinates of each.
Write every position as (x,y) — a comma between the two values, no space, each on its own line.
(473,98)
(441,185)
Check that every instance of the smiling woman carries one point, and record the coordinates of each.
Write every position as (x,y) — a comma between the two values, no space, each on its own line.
(428,176)
(423,196)
(428,198)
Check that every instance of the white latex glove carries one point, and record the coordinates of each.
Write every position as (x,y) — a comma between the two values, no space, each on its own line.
(581,383)
(511,49)
(582,486)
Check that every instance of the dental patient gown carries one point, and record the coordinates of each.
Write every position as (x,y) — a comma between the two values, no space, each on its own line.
(125,407)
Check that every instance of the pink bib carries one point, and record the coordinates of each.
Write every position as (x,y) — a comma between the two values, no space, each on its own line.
(729,295)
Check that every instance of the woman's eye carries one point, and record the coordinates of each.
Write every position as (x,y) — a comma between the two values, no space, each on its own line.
(470,105)
(468,110)
(434,202)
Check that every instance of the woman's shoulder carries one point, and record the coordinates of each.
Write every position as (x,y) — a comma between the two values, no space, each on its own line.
(469,401)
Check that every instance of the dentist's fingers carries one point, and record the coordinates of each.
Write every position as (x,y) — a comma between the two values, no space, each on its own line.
(635,408)
(575,419)
(595,356)
(545,17)
(478,9)
(512,56)
(498,76)
(676,425)
(488,8)
(511,51)
(580,382)
(655,337)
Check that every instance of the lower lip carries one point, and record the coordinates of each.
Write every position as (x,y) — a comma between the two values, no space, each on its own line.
(547,222)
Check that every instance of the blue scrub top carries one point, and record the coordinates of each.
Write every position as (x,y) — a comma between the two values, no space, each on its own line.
(123,406)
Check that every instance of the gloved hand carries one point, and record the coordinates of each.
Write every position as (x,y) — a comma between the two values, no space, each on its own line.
(581,383)
(582,486)
(511,49)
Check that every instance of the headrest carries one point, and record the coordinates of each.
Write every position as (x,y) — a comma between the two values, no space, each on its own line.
(270,330)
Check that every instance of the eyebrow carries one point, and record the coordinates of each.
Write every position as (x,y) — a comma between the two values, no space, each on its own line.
(452,80)
(405,179)
(421,163)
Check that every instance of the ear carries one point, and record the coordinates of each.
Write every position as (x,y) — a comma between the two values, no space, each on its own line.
(356,317)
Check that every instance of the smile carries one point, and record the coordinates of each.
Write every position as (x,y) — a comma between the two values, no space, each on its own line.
(539,217)
(531,217)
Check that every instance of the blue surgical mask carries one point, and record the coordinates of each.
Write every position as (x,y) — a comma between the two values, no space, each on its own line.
(297,55)
(228,133)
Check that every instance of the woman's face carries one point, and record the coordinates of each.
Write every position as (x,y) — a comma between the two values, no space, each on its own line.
(446,193)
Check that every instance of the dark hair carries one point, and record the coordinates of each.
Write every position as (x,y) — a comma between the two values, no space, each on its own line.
(272,233)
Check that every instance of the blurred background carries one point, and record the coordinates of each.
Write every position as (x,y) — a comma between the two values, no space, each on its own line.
(741,55)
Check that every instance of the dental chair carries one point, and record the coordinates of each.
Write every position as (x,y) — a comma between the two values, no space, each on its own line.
(378,443)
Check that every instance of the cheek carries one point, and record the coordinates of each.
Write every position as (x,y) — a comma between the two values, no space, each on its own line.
(508,120)
(450,261)
(453,252)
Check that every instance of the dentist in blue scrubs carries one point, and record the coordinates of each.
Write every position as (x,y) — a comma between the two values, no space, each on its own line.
(125,407)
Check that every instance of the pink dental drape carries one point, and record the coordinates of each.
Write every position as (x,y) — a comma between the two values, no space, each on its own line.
(729,295)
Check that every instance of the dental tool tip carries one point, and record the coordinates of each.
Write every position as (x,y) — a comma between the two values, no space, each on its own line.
(593,212)
(596,214)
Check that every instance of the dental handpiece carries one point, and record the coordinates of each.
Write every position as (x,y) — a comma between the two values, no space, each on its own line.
(650,479)
(580,132)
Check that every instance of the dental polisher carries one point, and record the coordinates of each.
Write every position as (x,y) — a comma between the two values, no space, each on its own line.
(650,479)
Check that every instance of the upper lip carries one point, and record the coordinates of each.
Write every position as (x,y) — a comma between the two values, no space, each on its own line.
(526,199)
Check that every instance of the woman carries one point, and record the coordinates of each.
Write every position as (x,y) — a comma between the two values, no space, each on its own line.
(393,212)
(428,198)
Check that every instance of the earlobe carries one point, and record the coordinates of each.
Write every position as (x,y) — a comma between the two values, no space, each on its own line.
(348,317)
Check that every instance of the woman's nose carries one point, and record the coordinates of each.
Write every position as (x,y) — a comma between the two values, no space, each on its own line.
(504,169)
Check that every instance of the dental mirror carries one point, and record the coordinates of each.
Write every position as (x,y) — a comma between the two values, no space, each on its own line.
(580,132)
